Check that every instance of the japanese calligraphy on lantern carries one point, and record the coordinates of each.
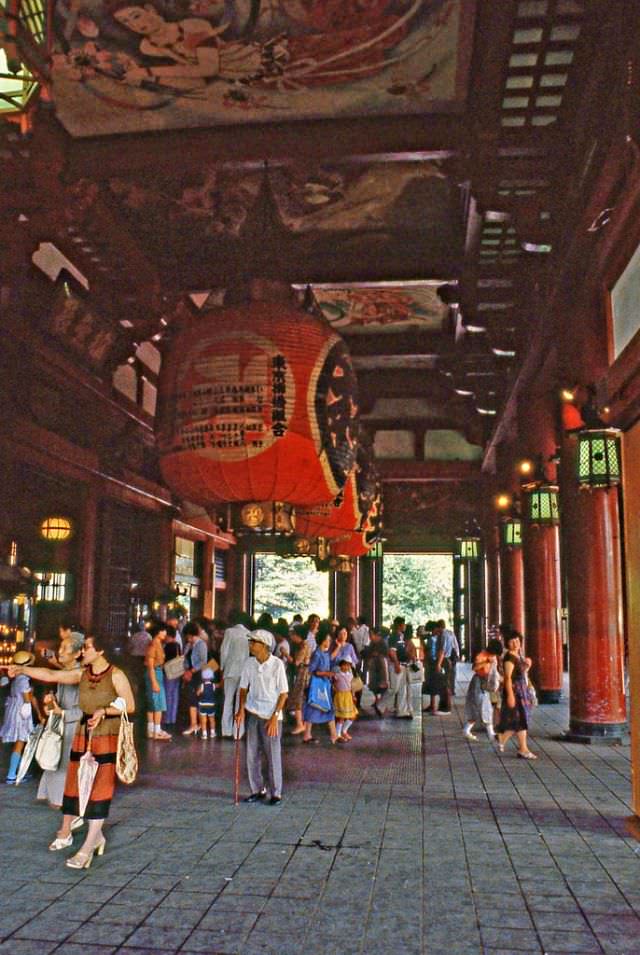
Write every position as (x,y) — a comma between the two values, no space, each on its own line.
(236,398)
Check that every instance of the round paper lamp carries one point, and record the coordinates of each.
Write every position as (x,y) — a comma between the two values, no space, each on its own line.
(257,403)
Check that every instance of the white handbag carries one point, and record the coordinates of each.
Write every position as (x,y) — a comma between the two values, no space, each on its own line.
(174,668)
(49,748)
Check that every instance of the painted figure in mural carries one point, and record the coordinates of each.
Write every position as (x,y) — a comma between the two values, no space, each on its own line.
(338,47)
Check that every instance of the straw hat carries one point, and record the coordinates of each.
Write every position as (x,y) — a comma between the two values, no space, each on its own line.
(23,658)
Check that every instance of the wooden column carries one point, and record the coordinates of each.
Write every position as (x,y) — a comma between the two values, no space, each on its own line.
(494,577)
(346,595)
(541,559)
(370,604)
(592,564)
(512,588)
(87,559)
(208,579)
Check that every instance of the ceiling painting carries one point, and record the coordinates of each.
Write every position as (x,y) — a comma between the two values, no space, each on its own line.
(123,67)
(382,309)
(333,197)
(333,216)
(343,197)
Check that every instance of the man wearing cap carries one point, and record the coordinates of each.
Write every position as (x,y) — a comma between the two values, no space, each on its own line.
(233,656)
(263,692)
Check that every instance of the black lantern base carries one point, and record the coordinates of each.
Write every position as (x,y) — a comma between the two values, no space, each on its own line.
(581,731)
(549,696)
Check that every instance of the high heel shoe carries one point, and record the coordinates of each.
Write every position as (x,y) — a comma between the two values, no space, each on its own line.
(61,842)
(82,860)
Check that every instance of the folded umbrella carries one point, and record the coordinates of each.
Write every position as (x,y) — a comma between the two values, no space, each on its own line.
(29,752)
(87,769)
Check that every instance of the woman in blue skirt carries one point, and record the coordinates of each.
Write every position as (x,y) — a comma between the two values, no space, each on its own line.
(318,707)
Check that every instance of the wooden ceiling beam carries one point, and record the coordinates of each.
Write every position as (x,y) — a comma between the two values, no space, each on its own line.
(435,136)
(423,344)
(448,421)
(298,269)
(425,472)
(406,383)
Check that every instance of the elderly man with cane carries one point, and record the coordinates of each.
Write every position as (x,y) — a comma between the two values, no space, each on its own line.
(263,692)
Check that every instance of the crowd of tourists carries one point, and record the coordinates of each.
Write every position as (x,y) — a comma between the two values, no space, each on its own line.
(246,678)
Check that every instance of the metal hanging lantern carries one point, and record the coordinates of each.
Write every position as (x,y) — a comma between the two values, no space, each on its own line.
(315,547)
(598,458)
(542,506)
(267,517)
(376,551)
(511,532)
(468,547)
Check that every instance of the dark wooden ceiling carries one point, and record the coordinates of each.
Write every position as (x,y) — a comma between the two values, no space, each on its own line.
(476,199)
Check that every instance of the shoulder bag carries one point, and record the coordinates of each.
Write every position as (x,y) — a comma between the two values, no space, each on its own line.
(49,748)
(174,668)
(357,684)
(319,694)
(126,756)
(531,695)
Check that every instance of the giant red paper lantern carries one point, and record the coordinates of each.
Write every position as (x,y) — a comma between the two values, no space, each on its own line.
(257,403)
(333,519)
(359,542)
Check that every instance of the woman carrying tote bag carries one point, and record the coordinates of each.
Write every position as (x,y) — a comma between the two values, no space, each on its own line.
(64,702)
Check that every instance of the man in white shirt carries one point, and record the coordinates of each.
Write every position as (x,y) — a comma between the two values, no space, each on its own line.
(360,635)
(234,653)
(263,692)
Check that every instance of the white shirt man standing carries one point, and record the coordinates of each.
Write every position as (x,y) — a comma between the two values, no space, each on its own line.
(360,635)
(234,653)
(263,692)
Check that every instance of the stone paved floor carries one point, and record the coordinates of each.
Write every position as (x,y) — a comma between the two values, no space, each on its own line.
(409,840)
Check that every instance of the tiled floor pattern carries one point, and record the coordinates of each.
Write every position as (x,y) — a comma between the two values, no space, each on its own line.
(410,840)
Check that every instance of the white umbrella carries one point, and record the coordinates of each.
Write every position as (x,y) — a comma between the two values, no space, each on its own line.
(29,752)
(87,769)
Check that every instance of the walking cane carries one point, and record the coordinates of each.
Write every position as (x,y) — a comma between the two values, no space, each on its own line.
(236,776)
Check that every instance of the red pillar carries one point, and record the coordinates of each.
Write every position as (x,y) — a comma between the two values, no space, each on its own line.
(512,588)
(346,594)
(87,558)
(541,559)
(591,527)
(494,577)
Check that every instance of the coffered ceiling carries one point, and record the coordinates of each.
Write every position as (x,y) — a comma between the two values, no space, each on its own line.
(411,168)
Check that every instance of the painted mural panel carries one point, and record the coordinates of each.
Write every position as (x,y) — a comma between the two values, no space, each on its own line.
(382,309)
(120,66)
(383,203)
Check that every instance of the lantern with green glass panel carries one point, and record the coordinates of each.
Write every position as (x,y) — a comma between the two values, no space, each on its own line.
(542,504)
(468,547)
(375,551)
(511,532)
(598,458)
(23,58)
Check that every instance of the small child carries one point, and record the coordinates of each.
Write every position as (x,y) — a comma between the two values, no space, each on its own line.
(206,694)
(344,700)
(18,716)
